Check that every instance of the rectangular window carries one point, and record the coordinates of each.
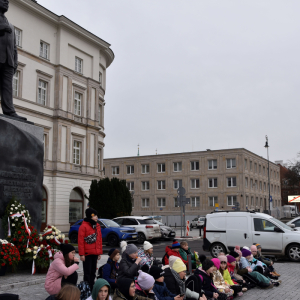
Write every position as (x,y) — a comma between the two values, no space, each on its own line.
(78,64)
(246,163)
(264,186)
(100,78)
(77,104)
(176,202)
(264,170)
(130,170)
(177,183)
(99,158)
(195,201)
(145,169)
(260,185)
(130,185)
(256,185)
(18,34)
(16,79)
(145,185)
(231,200)
(161,184)
(231,181)
(247,200)
(195,183)
(194,165)
(115,170)
(251,183)
(177,166)
(99,113)
(145,202)
(212,164)
(246,182)
(76,153)
(212,201)
(256,201)
(230,163)
(161,202)
(42,92)
(161,168)
(255,167)
(252,201)
(259,169)
(261,202)
(213,182)
(44,50)
(250,165)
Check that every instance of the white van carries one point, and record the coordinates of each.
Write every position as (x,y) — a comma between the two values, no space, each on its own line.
(291,209)
(224,230)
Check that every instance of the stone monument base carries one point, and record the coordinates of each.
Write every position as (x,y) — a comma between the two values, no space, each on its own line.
(21,166)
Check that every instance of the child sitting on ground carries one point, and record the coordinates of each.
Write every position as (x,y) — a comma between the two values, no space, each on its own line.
(231,266)
(160,289)
(184,251)
(226,275)
(110,269)
(144,285)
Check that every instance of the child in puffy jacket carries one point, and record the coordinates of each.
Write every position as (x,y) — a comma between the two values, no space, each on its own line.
(90,245)
(62,270)
(111,268)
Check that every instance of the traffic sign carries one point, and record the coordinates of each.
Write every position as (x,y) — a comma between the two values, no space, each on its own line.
(181,191)
(217,205)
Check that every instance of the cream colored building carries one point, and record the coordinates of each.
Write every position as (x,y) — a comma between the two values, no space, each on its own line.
(209,177)
(60,86)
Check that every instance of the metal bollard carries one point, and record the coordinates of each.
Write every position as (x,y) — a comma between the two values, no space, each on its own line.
(189,257)
(200,230)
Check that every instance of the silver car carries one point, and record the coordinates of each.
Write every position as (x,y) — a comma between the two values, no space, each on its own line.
(166,231)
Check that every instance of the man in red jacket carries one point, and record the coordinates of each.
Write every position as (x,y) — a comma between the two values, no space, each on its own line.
(90,245)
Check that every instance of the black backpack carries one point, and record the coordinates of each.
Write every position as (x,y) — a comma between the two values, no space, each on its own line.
(100,272)
(163,259)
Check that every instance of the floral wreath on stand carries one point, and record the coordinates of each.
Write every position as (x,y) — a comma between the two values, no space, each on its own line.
(9,254)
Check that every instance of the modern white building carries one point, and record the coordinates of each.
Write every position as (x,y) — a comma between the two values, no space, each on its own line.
(60,86)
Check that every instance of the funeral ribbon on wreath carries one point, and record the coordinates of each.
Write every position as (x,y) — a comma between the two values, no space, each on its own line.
(17,215)
(37,251)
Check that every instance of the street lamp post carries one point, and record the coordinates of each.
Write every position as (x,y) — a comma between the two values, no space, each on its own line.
(267,146)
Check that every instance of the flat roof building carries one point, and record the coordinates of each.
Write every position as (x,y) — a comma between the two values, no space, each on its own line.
(209,177)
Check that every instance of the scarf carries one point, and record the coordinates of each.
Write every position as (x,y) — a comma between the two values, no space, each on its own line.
(180,282)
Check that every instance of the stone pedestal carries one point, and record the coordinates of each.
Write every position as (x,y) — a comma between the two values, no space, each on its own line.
(21,166)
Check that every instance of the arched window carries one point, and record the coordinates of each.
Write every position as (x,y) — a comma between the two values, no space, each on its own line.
(44,210)
(76,206)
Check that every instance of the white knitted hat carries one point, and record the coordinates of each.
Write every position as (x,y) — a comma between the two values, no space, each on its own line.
(147,245)
(123,246)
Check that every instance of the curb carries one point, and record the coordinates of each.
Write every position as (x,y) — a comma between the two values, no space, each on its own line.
(6,287)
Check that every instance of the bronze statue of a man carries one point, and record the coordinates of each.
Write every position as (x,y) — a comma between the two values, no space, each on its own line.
(8,62)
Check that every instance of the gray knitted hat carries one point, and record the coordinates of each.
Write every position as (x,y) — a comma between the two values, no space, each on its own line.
(131,248)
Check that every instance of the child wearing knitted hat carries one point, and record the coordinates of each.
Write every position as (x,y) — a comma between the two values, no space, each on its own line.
(173,250)
(144,285)
(160,289)
(146,254)
(226,275)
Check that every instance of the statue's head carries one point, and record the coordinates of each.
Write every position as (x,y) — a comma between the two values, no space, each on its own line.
(4,5)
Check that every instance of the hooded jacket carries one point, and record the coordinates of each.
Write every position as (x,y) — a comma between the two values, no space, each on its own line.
(207,283)
(169,252)
(128,268)
(56,271)
(146,258)
(89,227)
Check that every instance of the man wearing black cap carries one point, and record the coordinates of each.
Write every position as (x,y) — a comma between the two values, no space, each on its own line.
(90,245)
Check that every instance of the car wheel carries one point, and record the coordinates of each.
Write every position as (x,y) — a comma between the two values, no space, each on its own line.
(141,238)
(74,238)
(293,252)
(112,240)
(216,249)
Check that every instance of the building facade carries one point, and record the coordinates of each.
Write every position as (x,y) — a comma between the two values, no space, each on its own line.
(60,86)
(209,177)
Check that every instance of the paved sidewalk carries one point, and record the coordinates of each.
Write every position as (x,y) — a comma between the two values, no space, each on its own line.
(288,290)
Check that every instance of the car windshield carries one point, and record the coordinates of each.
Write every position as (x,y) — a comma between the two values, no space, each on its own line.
(281,224)
(202,219)
(110,223)
(146,221)
(159,223)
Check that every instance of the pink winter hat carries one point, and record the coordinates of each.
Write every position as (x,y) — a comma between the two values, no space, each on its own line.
(145,280)
(216,262)
(230,259)
(222,258)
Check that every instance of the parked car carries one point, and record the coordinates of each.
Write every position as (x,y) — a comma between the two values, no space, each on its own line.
(224,230)
(146,228)
(166,231)
(112,233)
(295,222)
(197,222)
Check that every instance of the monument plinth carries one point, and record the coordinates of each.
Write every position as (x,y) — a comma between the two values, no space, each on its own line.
(21,166)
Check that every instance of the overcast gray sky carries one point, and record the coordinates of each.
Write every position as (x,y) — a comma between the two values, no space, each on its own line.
(196,74)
